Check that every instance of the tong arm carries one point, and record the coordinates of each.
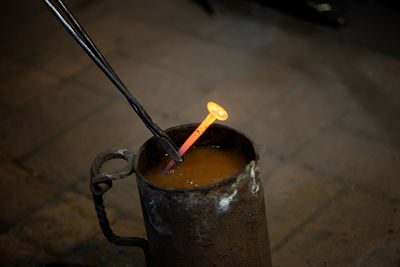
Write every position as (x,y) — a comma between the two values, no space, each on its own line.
(79,34)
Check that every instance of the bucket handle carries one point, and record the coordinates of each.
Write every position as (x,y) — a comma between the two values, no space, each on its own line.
(101,183)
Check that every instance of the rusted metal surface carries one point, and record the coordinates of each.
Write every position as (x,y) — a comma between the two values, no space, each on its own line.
(218,225)
(223,224)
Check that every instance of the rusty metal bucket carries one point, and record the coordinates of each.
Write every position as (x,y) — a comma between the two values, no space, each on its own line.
(222,224)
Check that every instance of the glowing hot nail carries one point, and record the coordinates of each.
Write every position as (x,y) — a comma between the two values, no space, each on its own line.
(216,113)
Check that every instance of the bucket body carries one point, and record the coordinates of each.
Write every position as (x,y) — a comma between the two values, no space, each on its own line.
(222,224)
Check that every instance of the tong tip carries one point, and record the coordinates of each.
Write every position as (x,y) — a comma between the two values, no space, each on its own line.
(170,148)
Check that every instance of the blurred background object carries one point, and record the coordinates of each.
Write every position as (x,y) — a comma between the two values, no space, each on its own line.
(329,12)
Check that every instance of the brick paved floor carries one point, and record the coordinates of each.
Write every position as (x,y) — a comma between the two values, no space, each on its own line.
(323,111)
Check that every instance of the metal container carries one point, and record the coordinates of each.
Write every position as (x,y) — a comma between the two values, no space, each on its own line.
(222,224)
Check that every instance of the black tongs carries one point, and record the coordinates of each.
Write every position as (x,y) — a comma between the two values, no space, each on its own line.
(79,34)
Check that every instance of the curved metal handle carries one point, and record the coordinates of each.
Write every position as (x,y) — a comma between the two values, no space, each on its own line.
(101,183)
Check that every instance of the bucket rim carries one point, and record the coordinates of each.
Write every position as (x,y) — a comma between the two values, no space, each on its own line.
(225,181)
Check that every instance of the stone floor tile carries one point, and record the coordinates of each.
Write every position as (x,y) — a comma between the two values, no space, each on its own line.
(93,77)
(288,123)
(46,117)
(148,11)
(25,36)
(115,126)
(17,90)
(292,194)
(344,234)
(3,155)
(242,97)
(18,251)
(380,77)
(64,223)
(5,109)
(359,122)
(179,52)
(126,34)
(58,53)
(65,60)
(376,95)
(360,162)
(386,254)
(128,227)
(197,22)
(23,194)
(99,252)
(255,35)
(124,199)
(37,25)
(157,89)
(378,123)
(269,164)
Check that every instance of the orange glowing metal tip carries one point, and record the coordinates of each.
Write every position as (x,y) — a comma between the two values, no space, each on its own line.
(216,113)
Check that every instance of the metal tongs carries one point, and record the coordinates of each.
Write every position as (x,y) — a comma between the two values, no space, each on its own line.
(79,34)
